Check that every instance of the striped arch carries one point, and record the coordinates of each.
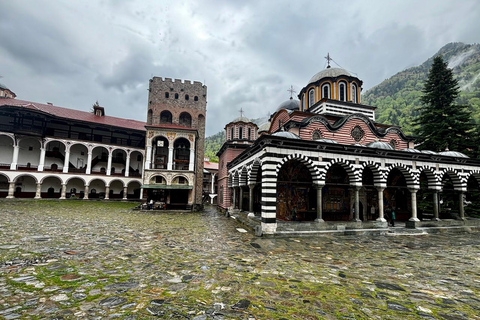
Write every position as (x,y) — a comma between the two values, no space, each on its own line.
(378,174)
(459,183)
(411,178)
(315,173)
(243,176)
(354,176)
(254,170)
(434,183)
(475,174)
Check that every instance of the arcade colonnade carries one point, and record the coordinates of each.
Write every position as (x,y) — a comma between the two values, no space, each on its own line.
(349,183)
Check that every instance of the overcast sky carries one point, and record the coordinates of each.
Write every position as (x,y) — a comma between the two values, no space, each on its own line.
(248,53)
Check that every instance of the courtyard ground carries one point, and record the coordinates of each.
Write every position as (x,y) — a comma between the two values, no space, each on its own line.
(100,260)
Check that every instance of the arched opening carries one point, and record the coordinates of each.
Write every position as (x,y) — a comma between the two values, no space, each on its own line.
(425,199)
(257,193)
(311,97)
(336,194)
(136,164)
(240,133)
(354,93)
(472,198)
(78,158)
(25,187)
(51,188)
(3,186)
(133,190)
(75,188)
(296,198)
(96,189)
(448,199)
(29,153)
(165,117)
(6,156)
(99,160)
(370,194)
(326,91)
(397,196)
(185,119)
(160,153)
(119,162)
(342,91)
(181,156)
(54,156)
(116,190)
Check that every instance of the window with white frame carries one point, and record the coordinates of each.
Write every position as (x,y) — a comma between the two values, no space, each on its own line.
(326,91)
(342,92)
(354,93)
(311,97)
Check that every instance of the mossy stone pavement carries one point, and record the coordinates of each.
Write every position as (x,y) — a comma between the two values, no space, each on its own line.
(101,260)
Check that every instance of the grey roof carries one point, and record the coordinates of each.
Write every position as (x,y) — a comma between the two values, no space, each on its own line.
(429,152)
(412,150)
(2,86)
(241,119)
(453,154)
(286,134)
(290,104)
(380,145)
(264,127)
(326,140)
(329,73)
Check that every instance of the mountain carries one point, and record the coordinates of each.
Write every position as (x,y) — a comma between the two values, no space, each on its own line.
(399,96)
(215,142)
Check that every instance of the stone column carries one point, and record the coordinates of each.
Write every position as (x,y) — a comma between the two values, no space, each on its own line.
(11,190)
(85,197)
(13,165)
(127,165)
(125,190)
(107,192)
(67,160)
(357,205)
(250,197)
(191,163)
(63,192)
(234,197)
(319,204)
(213,183)
(461,209)
(148,158)
(170,158)
(435,206)
(41,162)
(413,193)
(240,198)
(109,163)
(381,216)
(89,163)
(38,191)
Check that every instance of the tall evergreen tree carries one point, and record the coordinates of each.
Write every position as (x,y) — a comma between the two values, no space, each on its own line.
(441,124)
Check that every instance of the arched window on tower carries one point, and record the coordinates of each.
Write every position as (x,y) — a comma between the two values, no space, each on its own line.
(326,91)
(249,133)
(342,91)
(354,93)
(240,133)
(166,117)
(311,97)
(231,133)
(185,119)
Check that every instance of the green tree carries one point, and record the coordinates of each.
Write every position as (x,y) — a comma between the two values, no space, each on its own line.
(442,124)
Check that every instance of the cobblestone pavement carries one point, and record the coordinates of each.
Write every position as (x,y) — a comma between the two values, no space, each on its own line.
(97,260)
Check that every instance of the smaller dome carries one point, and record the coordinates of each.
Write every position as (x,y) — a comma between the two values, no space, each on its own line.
(286,134)
(326,140)
(453,154)
(264,127)
(429,152)
(241,119)
(380,145)
(330,73)
(2,86)
(412,150)
(290,104)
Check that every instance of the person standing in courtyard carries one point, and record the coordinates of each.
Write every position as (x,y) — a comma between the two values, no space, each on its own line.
(393,218)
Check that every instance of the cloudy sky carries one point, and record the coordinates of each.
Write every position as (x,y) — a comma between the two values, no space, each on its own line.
(248,53)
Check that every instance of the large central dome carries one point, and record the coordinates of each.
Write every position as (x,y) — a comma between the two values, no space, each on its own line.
(330,73)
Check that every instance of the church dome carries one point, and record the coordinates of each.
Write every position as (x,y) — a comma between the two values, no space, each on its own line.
(453,154)
(380,145)
(290,104)
(286,134)
(326,140)
(412,150)
(264,127)
(241,119)
(330,73)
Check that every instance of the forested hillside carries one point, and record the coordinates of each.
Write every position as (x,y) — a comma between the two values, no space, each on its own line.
(398,97)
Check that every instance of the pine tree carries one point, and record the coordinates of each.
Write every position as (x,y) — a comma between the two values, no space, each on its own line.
(441,124)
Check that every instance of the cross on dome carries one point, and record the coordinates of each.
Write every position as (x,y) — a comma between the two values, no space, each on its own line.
(291,91)
(328,59)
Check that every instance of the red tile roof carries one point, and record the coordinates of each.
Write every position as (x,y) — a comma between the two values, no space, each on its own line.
(210,165)
(74,114)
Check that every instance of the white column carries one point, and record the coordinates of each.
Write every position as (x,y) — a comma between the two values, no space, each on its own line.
(127,165)
(357,206)
(125,190)
(67,160)
(250,197)
(41,162)
(13,165)
(63,192)
(85,196)
(170,158)
(461,209)
(435,206)
(148,158)
(380,205)
(240,201)
(38,193)
(213,183)
(109,163)
(234,197)
(89,163)
(413,193)
(319,204)
(191,164)
(107,192)
(11,190)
